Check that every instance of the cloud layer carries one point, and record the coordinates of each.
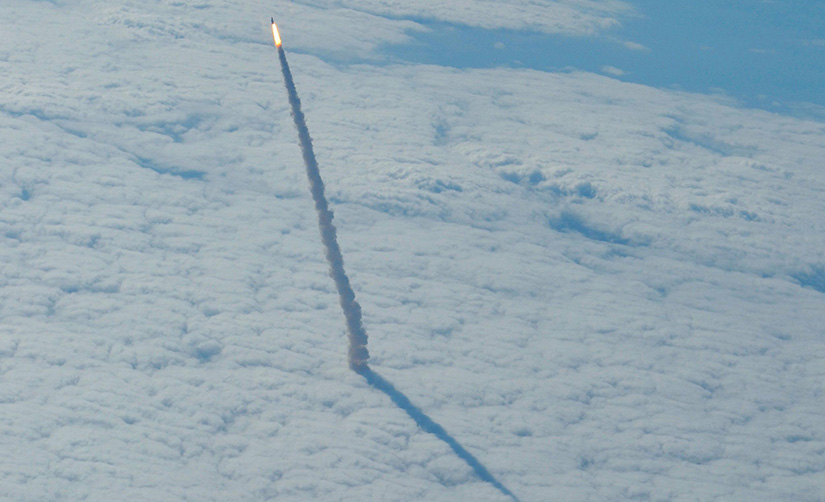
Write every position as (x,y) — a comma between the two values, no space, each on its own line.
(604,290)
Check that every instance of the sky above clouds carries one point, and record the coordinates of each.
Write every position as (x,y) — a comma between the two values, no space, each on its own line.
(767,55)
(604,287)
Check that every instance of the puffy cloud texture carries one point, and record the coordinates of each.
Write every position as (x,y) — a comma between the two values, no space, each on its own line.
(602,290)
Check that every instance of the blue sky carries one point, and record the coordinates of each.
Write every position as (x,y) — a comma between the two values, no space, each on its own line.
(767,55)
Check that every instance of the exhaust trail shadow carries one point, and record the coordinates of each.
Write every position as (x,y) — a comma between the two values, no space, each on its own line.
(427,424)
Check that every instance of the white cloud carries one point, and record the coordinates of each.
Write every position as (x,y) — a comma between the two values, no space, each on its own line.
(612,70)
(593,285)
(635,46)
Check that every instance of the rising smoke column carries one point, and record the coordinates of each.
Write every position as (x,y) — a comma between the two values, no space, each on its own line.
(356,333)
(358,354)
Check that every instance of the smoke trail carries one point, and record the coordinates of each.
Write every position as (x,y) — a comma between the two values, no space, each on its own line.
(358,353)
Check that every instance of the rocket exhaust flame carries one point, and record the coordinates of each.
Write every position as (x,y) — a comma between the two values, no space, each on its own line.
(275,35)
(358,354)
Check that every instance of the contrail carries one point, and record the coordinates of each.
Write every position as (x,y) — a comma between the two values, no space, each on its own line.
(358,354)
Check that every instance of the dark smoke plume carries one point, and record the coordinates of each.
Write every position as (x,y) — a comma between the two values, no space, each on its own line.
(358,353)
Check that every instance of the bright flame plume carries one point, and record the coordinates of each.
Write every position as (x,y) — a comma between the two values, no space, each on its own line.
(275,35)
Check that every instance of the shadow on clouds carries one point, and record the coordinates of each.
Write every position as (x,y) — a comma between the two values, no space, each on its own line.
(813,278)
(568,222)
(429,425)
